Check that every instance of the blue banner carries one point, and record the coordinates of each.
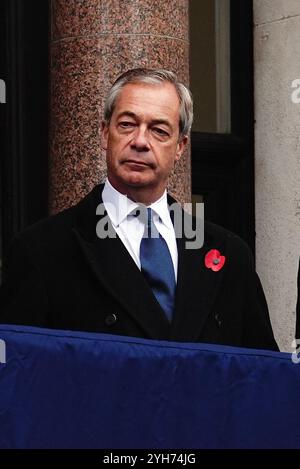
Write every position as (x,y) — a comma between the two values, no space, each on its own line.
(61,389)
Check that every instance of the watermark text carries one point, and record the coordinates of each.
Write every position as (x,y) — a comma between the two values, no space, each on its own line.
(186,227)
(295,96)
(2,351)
(2,91)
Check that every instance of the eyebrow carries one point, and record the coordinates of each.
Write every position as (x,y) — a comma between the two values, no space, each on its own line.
(153,122)
(127,113)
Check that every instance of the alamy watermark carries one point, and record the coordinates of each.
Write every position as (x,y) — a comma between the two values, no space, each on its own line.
(295,356)
(295,96)
(185,226)
(2,351)
(2,91)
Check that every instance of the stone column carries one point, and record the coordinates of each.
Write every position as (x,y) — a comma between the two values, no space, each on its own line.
(92,42)
(277,160)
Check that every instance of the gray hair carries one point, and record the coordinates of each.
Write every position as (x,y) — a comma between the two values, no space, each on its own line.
(153,77)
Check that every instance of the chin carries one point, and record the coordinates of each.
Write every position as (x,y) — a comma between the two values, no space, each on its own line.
(136,179)
(136,182)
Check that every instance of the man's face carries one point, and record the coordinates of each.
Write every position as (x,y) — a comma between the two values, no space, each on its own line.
(142,138)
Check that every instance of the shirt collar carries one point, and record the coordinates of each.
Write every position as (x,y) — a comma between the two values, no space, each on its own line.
(160,207)
(119,206)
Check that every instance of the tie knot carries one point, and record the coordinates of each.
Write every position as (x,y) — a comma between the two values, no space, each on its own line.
(145,215)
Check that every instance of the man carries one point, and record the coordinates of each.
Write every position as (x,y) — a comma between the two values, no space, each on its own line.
(141,280)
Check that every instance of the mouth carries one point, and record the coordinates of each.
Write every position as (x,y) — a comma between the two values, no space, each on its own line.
(137,164)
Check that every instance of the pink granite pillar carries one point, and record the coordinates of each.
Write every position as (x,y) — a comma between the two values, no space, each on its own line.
(92,42)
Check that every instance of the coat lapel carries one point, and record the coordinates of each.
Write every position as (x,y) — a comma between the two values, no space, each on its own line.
(116,271)
(197,288)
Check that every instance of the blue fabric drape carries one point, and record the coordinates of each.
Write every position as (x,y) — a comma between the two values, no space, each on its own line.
(62,389)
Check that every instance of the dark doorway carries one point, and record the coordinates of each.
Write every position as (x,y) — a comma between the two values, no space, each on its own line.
(223,162)
(24,34)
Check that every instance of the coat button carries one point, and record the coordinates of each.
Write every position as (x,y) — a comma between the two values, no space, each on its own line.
(110,319)
(218,320)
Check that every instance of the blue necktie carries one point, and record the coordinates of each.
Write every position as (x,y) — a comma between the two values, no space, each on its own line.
(157,266)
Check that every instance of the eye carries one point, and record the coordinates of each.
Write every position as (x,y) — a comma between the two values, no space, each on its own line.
(126,124)
(160,132)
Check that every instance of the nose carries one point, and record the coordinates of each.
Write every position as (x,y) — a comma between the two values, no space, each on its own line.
(139,140)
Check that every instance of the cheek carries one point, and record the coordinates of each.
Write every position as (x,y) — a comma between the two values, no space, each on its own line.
(118,143)
(114,155)
(167,165)
(169,157)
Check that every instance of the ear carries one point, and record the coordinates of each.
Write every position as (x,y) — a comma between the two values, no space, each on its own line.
(181,145)
(104,135)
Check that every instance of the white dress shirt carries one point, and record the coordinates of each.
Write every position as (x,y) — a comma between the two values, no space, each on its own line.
(130,228)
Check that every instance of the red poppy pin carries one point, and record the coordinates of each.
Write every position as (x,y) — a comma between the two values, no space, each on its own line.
(214,260)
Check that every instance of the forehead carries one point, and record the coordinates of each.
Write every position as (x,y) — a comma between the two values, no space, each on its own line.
(159,101)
